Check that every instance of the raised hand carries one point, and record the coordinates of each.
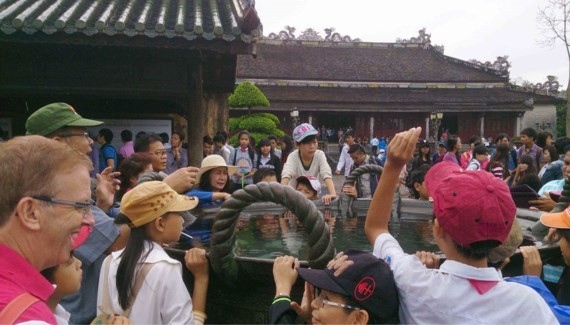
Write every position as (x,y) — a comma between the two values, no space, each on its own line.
(107,186)
(402,147)
(182,179)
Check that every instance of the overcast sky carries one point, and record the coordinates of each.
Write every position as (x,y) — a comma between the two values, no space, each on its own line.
(481,29)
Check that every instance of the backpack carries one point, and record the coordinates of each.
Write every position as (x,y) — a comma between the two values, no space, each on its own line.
(15,308)
(105,306)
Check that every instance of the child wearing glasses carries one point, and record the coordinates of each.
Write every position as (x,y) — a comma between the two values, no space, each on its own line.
(354,288)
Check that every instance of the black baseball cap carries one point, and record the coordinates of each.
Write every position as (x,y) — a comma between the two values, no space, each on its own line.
(360,275)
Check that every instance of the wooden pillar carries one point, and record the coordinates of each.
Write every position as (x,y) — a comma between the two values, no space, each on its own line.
(371,127)
(482,125)
(196,117)
(427,130)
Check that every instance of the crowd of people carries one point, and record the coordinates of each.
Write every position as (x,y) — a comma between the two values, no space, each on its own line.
(82,236)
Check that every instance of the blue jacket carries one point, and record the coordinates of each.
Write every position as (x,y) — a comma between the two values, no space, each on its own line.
(561,312)
(205,198)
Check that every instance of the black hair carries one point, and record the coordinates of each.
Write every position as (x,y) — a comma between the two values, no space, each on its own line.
(288,145)
(130,258)
(264,143)
(106,134)
(561,143)
(180,135)
(500,158)
(223,134)
(349,133)
(541,139)
(477,250)
(140,134)
(132,167)
(164,137)
(249,146)
(207,139)
(451,143)
(356,147)
(205,184)
(529,160)
(126,135)
(530,132)
(272,137)
(474,139)
(305,181)
(142,143)
(566,149)
(479,150)
(308,139)
(219,138)
(427,156)
(553,153)
(417,176)
(262,173)
(500,137)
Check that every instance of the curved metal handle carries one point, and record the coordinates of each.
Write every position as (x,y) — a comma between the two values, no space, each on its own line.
(321,249)
(359,171)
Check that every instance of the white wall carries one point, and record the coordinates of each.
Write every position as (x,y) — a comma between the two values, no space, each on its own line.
(542,113)
(135,126)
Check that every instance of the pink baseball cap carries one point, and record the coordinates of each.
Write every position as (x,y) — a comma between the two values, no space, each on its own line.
(312,181)
(471,206)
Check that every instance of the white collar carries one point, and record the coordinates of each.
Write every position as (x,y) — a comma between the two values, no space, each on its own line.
(470,272)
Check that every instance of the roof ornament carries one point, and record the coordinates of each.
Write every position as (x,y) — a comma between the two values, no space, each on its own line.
(501,65)
(423,38)
(311,34)
(550,86)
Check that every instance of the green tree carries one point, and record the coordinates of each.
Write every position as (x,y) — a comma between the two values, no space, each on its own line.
(259,125)
(247,95)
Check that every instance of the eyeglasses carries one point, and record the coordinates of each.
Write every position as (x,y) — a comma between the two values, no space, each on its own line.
(82,134)
(85,206)
(160,153)
(319,295)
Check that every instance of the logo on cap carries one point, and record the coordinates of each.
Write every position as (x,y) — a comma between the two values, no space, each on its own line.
(364,289)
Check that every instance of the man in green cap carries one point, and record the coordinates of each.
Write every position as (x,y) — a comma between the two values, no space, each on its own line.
(59,121)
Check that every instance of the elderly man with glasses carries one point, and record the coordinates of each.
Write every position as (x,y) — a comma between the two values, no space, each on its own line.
(45,202)
(60,122)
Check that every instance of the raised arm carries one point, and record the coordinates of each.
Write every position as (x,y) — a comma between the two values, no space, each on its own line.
(399,152)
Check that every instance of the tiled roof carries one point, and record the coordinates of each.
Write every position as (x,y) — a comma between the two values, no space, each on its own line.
(358,62)
(188,19)
(386,99)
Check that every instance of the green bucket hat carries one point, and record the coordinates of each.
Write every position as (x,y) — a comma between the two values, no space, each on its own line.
(53,117)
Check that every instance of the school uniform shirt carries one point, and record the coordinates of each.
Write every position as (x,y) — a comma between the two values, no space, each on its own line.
(474,164)
(458,293)
(61,315)
(294,168)
(243,160)
(344,160)
(271,162)
(163,297)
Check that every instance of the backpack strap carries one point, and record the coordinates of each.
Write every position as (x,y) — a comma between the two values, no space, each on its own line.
(138,284)
(106,303)
(13,310)
(538,156)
